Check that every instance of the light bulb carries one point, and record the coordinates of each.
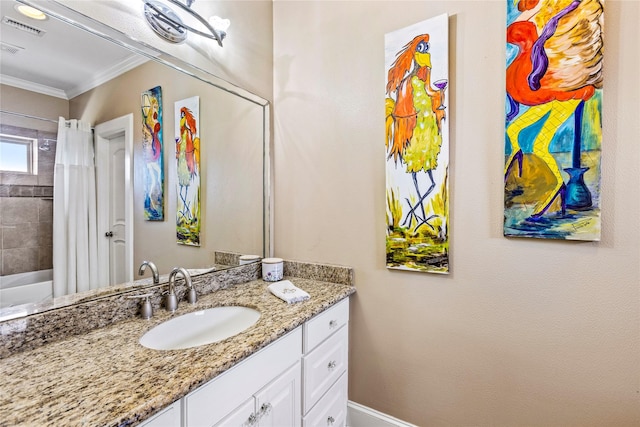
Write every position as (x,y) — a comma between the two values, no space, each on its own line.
(30,12)
(220,25)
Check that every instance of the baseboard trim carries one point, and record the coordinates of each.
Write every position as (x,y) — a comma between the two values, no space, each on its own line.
(361,416)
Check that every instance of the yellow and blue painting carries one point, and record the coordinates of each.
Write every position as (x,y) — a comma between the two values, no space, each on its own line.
(152,149)
(417,147)
(553,119)
(187,125)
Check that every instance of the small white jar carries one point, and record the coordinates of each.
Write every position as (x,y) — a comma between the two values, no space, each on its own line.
(272,269)
(248,259)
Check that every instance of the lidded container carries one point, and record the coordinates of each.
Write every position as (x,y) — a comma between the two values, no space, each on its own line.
(272,269)
(248,259)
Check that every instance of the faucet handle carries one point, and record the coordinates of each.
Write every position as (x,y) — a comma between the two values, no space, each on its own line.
(146,311)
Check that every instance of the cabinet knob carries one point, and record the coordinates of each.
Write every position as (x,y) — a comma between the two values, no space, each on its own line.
(331,365)
(333,324)
(265,409)
(330,420)
(252,420)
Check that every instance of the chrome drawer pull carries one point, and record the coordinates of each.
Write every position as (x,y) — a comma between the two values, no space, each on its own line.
(331,365)
(330,420)
(333,324)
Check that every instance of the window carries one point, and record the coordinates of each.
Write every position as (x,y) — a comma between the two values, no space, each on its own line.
(18,154)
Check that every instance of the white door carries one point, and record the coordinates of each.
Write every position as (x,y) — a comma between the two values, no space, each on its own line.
(115,234)
(114,199)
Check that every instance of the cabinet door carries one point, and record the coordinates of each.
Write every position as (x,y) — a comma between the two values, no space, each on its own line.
(242,416)
(278,404)
(213,401)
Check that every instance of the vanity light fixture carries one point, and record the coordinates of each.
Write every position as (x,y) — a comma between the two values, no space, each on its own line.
(30,12)
(168,24)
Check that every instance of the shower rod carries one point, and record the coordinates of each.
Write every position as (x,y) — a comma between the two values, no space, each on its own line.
(28,116)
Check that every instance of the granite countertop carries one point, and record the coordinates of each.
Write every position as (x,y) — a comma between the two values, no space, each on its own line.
(106,378)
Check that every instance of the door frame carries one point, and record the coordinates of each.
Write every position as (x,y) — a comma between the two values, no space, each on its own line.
(103,133)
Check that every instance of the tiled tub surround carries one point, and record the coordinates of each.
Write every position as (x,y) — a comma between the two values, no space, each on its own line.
(26,210)
(105,377)
(26,229)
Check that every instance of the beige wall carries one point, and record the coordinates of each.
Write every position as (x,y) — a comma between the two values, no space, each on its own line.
(522,332)
(231,134)
(34,104)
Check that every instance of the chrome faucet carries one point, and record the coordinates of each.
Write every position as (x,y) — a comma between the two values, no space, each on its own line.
(192,297)
(154,271)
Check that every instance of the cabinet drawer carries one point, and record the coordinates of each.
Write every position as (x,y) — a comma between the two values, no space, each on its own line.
(324,324)
(323,366)
(331,410)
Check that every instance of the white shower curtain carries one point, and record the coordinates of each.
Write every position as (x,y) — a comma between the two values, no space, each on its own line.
(75,245)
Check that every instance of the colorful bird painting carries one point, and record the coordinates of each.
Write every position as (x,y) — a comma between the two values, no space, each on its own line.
(188,171)
(415,112)
(187,155)
(152,148)
(557,68)
(417,147)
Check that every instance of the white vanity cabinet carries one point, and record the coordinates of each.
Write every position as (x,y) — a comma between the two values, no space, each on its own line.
(324,365)
(300,380)
(261,387)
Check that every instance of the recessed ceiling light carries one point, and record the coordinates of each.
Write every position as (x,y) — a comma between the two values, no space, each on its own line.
(31,12)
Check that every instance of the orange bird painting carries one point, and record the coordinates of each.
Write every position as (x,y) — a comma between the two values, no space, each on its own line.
(188,171)
(417,146)
(553,124)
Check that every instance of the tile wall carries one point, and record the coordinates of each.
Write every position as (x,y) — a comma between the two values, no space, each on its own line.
(26,210)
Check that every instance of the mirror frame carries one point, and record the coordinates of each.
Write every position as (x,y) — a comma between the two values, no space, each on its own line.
(71,17)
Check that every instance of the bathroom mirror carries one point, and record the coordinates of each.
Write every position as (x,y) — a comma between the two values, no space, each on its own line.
(234,132)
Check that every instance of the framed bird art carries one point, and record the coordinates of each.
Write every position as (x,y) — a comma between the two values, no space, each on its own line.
(152,127)
(553,119)
(187,127)
(417,146)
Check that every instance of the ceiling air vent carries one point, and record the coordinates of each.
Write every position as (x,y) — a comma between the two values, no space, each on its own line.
(10,48)
(22,26)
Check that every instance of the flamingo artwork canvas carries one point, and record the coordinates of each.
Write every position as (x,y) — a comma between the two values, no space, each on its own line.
(553,119)
(417,146)
(152,154)
(187,139)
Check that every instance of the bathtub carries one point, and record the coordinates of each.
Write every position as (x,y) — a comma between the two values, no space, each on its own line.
(24,288)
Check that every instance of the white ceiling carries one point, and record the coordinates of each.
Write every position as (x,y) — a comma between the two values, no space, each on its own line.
(64,62)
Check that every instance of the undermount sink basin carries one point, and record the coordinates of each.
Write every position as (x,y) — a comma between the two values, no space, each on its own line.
(199,328)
